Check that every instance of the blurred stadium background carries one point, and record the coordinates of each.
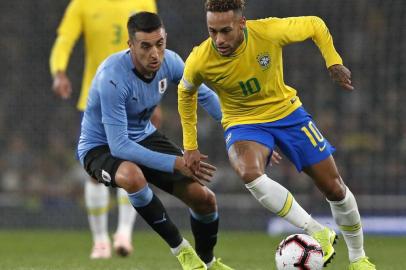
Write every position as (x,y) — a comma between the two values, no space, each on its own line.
(41,183)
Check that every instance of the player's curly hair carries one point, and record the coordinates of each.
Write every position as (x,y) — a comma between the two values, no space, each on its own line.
(225,5)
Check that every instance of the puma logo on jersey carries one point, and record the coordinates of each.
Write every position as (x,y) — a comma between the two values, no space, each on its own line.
(113,83)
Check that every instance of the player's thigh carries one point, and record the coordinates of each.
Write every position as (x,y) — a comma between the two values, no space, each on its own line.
(102,166)
(248,155)
(249,148)
(303,143)
(163,180)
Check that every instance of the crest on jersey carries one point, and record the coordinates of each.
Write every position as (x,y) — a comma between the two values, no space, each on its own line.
(162,85)
(264,60)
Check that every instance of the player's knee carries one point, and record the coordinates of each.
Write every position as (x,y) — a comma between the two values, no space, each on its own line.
(337,189)
(130,177)
(249,174)
(211,201)
(205,203)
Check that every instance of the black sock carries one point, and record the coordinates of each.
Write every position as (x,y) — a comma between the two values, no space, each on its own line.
(205,238)
(156,216)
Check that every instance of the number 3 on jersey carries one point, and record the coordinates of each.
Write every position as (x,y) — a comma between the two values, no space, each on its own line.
(118,33)
(314,134)
(251,86)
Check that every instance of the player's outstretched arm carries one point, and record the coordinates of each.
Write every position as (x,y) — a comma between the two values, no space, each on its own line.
(341,75)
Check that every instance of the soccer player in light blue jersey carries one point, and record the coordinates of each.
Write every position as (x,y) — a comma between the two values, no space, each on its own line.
(119,146)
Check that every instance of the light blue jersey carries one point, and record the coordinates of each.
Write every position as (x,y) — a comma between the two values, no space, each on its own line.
(120,105)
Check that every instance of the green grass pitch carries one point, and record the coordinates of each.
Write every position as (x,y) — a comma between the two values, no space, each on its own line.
(69,250)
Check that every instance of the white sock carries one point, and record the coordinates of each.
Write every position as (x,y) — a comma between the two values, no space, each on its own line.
(348,219)
(97,204)
(175,251)
(278,200)
(126,213)
(211,262)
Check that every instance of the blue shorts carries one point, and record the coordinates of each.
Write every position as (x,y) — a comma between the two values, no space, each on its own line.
(296,135)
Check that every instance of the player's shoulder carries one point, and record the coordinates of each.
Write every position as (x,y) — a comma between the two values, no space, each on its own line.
(171,60)
(115,64)
(270,28)
(80,3)
(203,48)
(171,55)
(265,23)
(201,52)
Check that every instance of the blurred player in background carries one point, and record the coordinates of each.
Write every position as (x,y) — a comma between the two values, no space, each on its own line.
(119,146)
(242,62)
(103,25)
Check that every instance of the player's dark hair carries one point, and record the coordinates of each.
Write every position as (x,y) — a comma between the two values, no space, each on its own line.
(225,5)
(143,22)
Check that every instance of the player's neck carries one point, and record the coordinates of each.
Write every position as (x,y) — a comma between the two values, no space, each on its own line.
(146,77)
(141,72)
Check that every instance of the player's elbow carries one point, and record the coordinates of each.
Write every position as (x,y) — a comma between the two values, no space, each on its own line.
(318,23)
(317,20)
(115,152)
(116,149)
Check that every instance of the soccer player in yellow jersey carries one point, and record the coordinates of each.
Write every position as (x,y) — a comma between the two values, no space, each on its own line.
(242,62)
(103,26)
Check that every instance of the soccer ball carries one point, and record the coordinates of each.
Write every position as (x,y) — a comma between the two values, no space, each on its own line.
(299,251)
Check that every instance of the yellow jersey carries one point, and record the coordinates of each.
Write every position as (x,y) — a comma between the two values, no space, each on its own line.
(104,27)
(250,82)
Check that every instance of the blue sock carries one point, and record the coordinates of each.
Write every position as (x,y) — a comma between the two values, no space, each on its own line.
(153,212)
(142,197)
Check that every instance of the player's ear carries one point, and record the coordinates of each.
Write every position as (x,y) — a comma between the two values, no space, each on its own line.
(243,21)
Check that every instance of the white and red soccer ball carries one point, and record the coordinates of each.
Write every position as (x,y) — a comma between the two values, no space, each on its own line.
(299,252)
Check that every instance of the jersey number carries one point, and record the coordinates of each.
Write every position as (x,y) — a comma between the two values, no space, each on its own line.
(312,133)
(251,86)
(118,33)
(146,114)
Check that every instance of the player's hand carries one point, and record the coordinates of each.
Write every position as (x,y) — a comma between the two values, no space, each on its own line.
(341,75)
(193,158)
(202,176)
(62,86)
(275,158)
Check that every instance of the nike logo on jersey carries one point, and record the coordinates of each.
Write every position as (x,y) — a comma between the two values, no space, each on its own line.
(323,147)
